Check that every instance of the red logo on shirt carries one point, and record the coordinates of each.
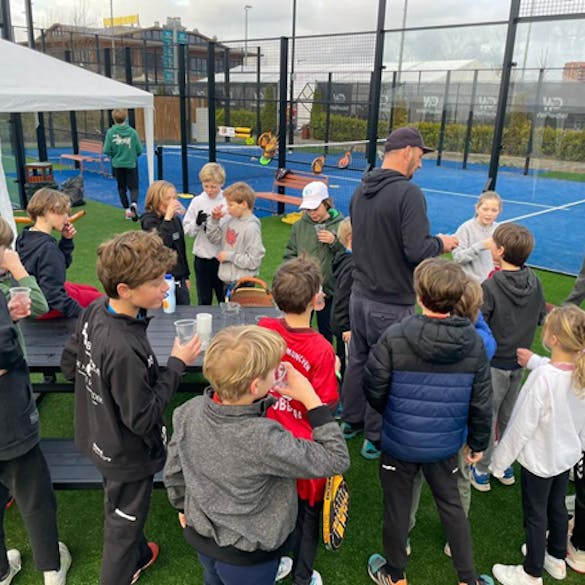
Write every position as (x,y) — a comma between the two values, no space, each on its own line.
(231,237)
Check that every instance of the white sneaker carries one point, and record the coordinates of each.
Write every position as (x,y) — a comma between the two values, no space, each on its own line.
(316,578)
(59,577)
(447,549)
(14,566)
(556,568)
(514,575)
(575,558)
(284,568)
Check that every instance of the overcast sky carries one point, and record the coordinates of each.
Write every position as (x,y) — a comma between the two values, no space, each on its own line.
(551,45)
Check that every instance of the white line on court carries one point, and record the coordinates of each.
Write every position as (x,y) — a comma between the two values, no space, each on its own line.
(176,151)
(558,208)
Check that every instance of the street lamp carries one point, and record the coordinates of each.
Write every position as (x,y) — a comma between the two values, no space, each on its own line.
(246,8)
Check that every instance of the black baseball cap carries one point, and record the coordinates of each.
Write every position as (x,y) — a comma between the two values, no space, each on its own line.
(403,137)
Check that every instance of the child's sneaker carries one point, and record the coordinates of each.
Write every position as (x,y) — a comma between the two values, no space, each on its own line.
(128,213)
(284,568)
(485,580)
(377,571)
(556,568)
(447,549)
(316,578)
(408,547)
(154,549)
(14,566)
(575,558)
(349,431)
(514,575)
(508,477)
(370,451)
(59,577)
(480,481)
(134,212)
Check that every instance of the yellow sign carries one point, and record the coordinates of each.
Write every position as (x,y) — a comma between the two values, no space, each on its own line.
(133,19)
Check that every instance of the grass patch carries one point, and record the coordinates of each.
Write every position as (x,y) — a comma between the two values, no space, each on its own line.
(563,176)
(496,517)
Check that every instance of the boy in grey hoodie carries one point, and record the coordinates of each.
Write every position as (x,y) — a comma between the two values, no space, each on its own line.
(231,472)
(240,237)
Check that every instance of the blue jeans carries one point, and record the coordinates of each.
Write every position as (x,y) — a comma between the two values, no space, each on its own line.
(369,319)
(219,573)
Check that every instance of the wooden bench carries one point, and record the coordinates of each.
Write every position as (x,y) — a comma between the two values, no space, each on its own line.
(297,180)
(95,154)
(72,470)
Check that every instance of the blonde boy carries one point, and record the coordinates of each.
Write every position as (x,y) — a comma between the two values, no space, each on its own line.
(240,237)
(212,177)
(231,472)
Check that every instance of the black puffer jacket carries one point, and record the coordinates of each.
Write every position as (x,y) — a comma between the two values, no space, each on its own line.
(430,379)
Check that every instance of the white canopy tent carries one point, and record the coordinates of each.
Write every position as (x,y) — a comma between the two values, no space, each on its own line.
(35,82)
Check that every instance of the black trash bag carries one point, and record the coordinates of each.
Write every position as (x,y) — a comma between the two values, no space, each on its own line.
(74,188)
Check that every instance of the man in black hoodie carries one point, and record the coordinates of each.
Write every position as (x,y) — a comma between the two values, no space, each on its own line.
(390,238)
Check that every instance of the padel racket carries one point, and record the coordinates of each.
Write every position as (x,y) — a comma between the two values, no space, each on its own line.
(335,511)
(345,160)
(264,139)
(318,164)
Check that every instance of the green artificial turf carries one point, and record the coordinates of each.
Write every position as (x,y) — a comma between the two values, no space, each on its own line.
(496,517)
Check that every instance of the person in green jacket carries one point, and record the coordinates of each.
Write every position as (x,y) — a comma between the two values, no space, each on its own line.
(15,274)
(123,146)
(316,235)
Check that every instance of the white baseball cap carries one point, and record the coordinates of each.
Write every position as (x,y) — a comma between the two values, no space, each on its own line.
(313,194)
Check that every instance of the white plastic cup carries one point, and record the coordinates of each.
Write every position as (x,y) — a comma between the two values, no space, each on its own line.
(185,329)
(319,227)
(20,296)
(204,328)
(231,313)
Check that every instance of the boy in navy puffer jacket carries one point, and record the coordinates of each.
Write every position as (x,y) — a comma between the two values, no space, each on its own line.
(429,377)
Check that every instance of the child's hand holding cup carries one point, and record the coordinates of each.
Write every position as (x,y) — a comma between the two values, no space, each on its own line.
(19,303)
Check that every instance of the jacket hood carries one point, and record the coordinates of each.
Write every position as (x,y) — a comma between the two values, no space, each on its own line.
(30,244)
(442,341)
(341,256)
(378,179)
(517,285)
(122,129)
(334,218)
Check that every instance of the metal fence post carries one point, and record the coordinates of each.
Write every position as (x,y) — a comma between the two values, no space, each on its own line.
(212,131)
(282,112)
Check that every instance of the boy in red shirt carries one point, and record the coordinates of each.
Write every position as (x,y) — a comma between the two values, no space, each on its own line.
(296,288)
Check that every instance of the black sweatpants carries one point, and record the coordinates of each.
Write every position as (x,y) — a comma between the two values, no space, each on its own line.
(543,504)
(27,478)
(127,179)
(207,280)
(125,550)
(182,292)
(578,538)
(306,541)
(397,479)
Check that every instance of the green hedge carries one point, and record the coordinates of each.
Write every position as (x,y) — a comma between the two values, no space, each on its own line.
(551,142)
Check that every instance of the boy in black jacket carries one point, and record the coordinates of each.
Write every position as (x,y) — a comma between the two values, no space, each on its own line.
(121,396)
(429,378)
(343,276)
(513,307)
(23,469)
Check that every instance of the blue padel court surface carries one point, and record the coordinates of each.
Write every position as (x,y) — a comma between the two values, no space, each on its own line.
(553,209)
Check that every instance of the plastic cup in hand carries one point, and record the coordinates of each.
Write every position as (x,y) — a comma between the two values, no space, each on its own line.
(320,304)
(20,297)
(185,329)
(280,380)
(231,313)
(204,321)
(319,227)
(181,209)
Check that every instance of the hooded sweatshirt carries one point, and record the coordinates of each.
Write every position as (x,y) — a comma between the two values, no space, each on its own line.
(47,261)
(303,238)
(430,379)
(123,146)
(390,237)
(513,307)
